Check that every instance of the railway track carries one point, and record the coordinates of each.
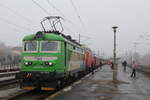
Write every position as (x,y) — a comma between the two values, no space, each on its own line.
(31,95)
(8,82)
(7,78)
(43,95)
(38,94)
(34,94)
(145,70)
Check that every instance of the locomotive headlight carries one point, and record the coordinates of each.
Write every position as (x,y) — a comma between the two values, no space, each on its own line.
(49,63)
(28,63)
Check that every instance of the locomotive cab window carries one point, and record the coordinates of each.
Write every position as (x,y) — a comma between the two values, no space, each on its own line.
(50,46)
(30,46)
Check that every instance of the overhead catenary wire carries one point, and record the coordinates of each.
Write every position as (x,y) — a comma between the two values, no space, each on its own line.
(63,15)
(144,33)
(59,11)
(43,9)
(76,35)
(51,5)
(16,13)
(81,21)
(15,29)
(69,30)
(86,39)
(76,11)
(78,15)
(14,24)
(24,17)
(146,38)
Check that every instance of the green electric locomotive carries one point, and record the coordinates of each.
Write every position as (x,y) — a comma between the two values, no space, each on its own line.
(50,60)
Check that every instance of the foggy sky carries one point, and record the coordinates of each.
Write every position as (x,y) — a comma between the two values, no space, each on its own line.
(22,17)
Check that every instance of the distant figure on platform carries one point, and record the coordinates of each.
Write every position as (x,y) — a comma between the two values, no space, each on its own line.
(93,68)
(112,65)
(124,65)
(134,67)
(100,65)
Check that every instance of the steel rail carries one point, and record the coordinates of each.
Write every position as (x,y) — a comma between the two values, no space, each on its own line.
(45,95)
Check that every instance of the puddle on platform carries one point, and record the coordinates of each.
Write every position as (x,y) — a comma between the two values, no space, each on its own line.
(104,98)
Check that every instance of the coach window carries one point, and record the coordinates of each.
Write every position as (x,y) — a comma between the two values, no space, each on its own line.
(30,46)
(50,46)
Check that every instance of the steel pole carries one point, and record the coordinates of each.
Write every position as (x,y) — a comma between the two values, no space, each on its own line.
(115,65)
(79,38)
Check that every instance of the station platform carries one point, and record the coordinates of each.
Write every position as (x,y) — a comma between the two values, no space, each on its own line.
(100,87)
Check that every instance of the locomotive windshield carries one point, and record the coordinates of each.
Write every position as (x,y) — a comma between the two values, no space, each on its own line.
(50,46)
(30,46)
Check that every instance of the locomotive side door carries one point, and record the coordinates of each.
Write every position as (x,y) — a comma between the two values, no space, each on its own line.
(65,51)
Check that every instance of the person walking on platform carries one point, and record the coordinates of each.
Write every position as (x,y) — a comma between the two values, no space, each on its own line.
(134,67)
(124,65)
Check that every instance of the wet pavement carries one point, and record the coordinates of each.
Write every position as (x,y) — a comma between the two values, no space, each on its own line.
(100,87)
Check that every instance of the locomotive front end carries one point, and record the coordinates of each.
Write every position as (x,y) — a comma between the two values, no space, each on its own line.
(42,64)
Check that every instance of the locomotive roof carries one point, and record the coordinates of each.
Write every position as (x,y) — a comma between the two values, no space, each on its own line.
(45,37)
(51,35)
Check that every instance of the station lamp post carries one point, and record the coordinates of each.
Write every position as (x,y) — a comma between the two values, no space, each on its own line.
(114,53)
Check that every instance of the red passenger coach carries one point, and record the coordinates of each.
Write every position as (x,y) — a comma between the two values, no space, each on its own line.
(88,61)
(96,61)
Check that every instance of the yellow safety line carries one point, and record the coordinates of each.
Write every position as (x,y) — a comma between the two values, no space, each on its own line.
(47,89)
(54,95)
(61,91)
(28,88)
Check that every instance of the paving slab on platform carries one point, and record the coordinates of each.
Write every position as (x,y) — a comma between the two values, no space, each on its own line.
(100,87)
